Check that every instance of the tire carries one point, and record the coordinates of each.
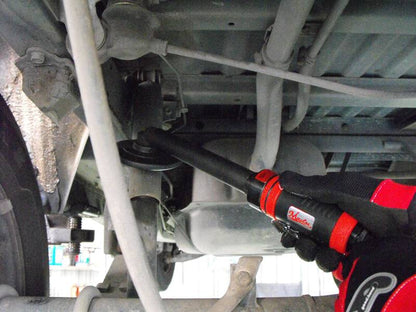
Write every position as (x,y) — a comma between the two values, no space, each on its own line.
(23,242)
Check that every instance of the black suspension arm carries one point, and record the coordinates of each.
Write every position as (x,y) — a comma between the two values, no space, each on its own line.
(228,172)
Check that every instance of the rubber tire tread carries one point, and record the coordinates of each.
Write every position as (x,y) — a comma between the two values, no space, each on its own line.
(18,180)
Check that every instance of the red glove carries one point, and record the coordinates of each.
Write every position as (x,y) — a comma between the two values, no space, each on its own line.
(379,276)
(385,208)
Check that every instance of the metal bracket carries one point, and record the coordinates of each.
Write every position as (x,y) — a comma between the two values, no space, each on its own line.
(171,111)
(59,233)
(49,81)
(240,290)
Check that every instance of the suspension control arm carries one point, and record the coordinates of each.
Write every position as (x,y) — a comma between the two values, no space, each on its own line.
(325,223)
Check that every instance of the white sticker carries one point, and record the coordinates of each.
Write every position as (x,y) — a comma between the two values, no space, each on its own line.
(300,217)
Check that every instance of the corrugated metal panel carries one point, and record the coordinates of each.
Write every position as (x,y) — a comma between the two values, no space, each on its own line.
(357,55)
(373,112)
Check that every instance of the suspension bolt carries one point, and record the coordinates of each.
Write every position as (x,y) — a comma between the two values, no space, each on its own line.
(37,57)
(74,248)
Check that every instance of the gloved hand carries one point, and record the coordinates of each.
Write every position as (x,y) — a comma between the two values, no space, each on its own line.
(378,274)
(384,208)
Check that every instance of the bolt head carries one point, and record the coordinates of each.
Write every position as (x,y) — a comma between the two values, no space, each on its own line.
(37,57)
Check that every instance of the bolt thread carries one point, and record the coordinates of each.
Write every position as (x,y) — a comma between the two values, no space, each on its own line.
(74,248)
(74,223)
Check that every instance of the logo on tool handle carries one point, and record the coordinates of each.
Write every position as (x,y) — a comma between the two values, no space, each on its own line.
(300,217)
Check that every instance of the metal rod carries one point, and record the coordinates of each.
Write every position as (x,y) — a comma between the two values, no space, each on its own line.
(276,52)
(38,304)
(97,113)
(217,166)
(289,21)
(307,69)
(275,72)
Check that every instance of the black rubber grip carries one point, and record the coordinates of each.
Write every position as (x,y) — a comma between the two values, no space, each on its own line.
(307,216)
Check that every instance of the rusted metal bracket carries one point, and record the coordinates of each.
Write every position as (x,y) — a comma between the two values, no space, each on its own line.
(242,283)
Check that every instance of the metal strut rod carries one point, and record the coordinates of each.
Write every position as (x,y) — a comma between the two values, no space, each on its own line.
(97,113)
(279,73)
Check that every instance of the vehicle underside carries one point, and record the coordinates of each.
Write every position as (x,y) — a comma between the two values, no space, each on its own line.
(310,86)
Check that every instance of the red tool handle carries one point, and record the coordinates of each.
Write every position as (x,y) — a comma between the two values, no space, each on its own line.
(325,223)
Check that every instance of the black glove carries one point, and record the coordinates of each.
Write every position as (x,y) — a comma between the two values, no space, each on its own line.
(385,208)
(379,275)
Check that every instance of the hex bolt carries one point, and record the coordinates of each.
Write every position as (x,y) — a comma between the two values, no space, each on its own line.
(37,57)
(244,278)
(74,249)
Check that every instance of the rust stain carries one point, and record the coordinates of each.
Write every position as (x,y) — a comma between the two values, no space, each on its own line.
(38,131)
